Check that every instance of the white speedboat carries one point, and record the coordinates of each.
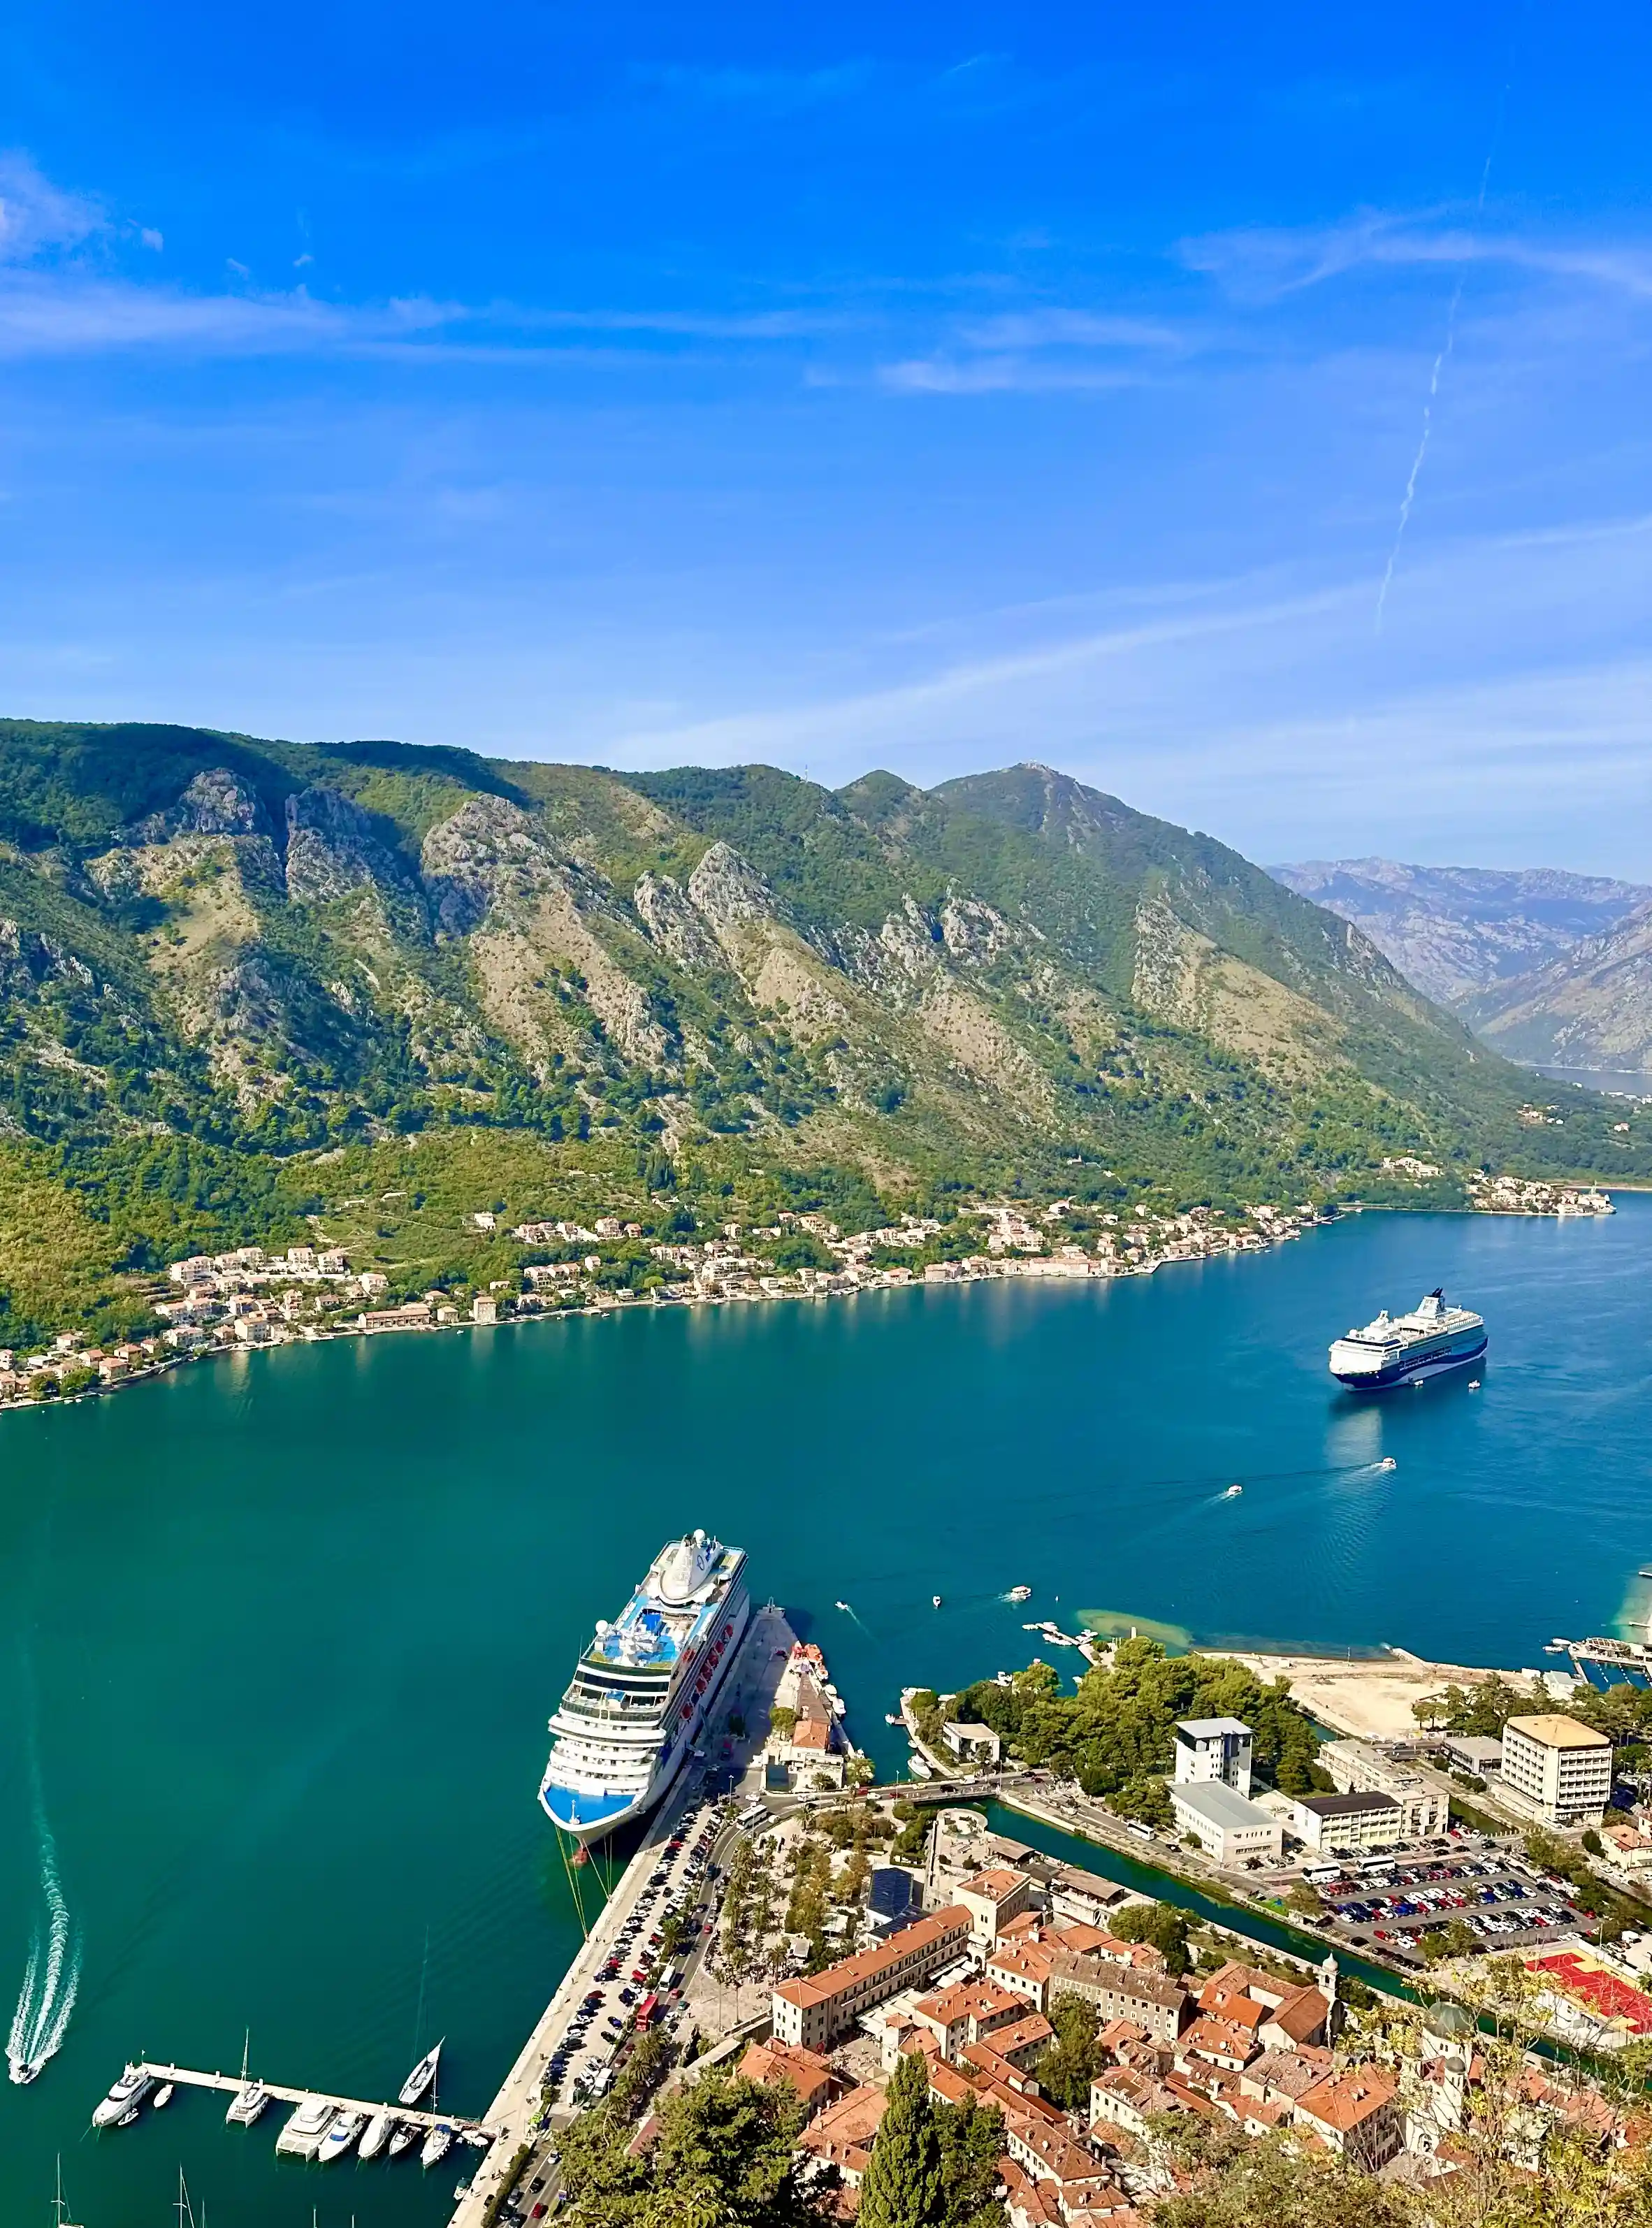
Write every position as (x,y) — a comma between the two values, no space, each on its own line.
(248,2103)
(935,1600)
(302,2136)
(1019,1594)
(339,2137)
(164,2095)
(380,2129)
(422,2077)
(127,2094)
(128,2119)
(402,2139)
(1233,1493)
(437,2145)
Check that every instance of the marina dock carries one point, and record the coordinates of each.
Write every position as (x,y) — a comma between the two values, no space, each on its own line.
(410,2115)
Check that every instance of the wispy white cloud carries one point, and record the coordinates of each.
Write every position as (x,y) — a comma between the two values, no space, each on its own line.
(67,314)
(1265,263)
(37,217)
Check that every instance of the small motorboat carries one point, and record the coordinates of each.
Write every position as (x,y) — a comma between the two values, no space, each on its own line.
(244,2106)
(920,1766)
(402,2140)
(844,1606)
(126,2119)
(893,1717)
(936,1600)
(379,2128)
(422,2077)
(1233,1493)
(1019,1594)
(164,2095)
(1474,1385)
(339,2137)
(437,2145)
(130,2090)
(1387,1462)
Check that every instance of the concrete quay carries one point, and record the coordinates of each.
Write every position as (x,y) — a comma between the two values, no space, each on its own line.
(519,2115)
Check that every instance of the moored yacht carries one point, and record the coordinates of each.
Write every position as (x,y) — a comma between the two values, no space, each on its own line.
(126,2096)
(248,2103)
(379,2128)
(422,2077)
(339,2137)
(302,2136)
(437,2144)
(646,1689)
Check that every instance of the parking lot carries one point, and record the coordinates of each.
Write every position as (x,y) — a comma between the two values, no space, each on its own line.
(639,1985)
(1388,1904)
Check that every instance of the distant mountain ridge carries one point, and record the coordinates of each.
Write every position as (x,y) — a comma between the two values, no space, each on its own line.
(1548,967)
(1456,931)
(224,960)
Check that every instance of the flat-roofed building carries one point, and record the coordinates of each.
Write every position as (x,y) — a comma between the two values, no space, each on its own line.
(812,2012)
(1358,1767)
(1557,1770)
(1216,1749)
(1227,1826)
(1343,1823)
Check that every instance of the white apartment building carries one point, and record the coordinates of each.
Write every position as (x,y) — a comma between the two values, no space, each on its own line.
(1214,1749)
(1557,1770)
(1227,1826)
(1358,1767)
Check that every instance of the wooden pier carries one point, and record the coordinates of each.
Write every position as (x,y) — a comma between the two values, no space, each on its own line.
(410,2115)
(1610,1654)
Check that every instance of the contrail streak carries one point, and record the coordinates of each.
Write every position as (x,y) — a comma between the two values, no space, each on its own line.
(1440,361)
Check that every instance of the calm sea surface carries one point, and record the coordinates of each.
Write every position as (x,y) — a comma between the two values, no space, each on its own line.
(281,1632)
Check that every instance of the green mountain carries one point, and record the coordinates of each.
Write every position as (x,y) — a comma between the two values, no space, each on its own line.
(235,975)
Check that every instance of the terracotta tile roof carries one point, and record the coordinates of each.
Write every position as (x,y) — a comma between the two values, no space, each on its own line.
(924,1933)
(1022,2034)
(850,2123)
(1218,2038)
(1303,2013)
(1344,2101)
(769,2062)
(998,1881)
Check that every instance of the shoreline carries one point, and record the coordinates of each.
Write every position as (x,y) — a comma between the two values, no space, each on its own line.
(1037,1269)
(1282,1226)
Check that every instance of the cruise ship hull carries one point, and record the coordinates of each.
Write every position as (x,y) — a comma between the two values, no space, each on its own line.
(589,1813)
(1412,1368)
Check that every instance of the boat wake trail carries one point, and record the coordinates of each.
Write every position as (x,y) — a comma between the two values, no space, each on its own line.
(859,1620)
(52,1980)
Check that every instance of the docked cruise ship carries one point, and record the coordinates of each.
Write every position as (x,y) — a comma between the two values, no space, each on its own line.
(1401,1349)
(645,1689)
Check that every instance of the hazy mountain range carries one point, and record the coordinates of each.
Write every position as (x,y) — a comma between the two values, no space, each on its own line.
(1545,966)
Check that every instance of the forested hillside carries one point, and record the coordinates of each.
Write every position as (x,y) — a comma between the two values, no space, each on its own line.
(237,976)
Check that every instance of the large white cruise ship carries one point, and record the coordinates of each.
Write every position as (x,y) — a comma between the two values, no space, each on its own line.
(1401,1349)
(644,1690)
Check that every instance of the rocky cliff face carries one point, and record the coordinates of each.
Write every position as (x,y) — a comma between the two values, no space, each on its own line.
(282,942)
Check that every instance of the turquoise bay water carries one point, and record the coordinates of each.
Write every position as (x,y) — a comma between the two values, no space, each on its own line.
(282,1631)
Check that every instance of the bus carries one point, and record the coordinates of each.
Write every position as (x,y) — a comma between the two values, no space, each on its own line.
(646,2011)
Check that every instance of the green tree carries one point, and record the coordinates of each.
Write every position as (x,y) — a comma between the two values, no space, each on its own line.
(903,2186)
(971,2139)
(1161,1925)
(1072,2060)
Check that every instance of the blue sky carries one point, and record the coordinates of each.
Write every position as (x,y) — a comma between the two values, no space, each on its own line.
(928,387)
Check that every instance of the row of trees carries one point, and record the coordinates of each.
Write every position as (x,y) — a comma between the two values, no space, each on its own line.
(1116,1734)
